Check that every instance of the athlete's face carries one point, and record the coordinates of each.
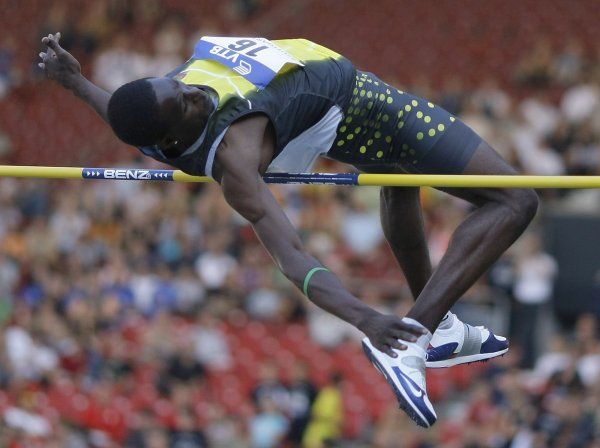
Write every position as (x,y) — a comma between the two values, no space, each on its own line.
(184,107)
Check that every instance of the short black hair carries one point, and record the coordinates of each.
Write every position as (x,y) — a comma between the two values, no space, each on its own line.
(134,114)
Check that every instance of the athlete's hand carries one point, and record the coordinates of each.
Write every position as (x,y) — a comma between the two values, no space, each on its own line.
(387,332)
(57,63)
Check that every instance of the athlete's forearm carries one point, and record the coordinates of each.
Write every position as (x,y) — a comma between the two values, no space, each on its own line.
(250,197)
(90,93)
(245,191)
(324,288)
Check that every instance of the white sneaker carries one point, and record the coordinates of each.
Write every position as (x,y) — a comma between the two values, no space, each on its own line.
(463,343)
(406,375)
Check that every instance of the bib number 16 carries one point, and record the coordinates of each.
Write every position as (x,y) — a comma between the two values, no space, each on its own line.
(248,47)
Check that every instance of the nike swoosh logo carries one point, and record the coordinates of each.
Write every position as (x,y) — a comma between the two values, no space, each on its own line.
(415,390)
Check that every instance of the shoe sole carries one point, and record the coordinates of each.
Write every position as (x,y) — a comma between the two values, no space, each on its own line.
(464,360)
(403,401)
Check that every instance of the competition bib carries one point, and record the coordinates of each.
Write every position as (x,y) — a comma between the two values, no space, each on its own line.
(255,58)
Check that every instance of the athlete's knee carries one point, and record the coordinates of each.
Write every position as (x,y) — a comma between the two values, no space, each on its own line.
(523,204)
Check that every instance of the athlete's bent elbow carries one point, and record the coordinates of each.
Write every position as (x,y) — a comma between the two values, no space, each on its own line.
(252,213)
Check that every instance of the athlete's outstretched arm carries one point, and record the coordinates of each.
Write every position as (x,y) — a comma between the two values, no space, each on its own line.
(239,161)
(60,65)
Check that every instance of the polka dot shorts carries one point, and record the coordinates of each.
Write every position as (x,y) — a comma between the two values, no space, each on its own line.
(384,126)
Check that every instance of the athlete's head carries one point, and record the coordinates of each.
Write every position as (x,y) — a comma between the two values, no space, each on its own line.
(159,111)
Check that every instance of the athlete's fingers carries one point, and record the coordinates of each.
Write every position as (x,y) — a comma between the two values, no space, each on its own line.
(407,332)
(52,42)
(414,329)
(405,336)
(395,343)
(46,41)
(385,348)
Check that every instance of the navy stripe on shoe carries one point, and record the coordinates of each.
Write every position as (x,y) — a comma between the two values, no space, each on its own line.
(441,352)
(416,395)
(493,345)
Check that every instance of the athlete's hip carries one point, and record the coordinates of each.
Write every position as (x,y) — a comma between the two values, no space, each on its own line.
(384,125)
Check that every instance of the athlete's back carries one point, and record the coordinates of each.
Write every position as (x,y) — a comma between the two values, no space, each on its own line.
(308,91)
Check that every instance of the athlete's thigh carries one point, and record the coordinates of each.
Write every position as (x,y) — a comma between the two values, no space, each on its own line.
(484,161)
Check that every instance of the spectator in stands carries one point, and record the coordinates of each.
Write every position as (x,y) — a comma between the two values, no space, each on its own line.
(569,64)
(270,387)
(119,63)
(156,438)
(187,434)
(453,95)
(210,344)
(29,358)
(269,426)
(214,265)
(58,17)
(264,302)
(302,394)
(360,229)
(581,100)
(24,418)
(184,367)
(327,415)
(9,76)
(534,285)
(6,145)
(169,43)
(493,101)
(583,156)
(535,68)
(225,430)
(140,426)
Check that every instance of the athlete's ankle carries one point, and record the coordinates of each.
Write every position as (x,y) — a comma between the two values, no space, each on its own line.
(423,340)
(447,321)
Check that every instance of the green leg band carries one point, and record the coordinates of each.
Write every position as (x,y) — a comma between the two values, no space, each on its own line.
(309,276)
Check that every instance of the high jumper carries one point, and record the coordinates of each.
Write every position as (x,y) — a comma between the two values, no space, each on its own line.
(242,107)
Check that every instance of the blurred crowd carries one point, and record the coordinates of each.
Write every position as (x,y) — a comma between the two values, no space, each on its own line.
(148,315)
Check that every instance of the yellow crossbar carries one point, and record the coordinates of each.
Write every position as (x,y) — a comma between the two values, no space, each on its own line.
(399,180)
(471,181)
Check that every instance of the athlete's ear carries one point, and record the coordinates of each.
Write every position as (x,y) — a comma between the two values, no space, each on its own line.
(168,142)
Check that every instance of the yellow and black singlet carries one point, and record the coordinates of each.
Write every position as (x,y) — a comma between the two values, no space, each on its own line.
(319,105)
(302,87)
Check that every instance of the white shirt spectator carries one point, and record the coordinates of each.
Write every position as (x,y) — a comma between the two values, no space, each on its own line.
(535,278)
(32,424)
(67,227)
(535,158)
(540,115)
(211,347)
(119,65)
(190,291)
(588,368)
(580,102)
(144,288)
(263,303)
(329,331)
(214,268)
(28,359)
(9,276)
